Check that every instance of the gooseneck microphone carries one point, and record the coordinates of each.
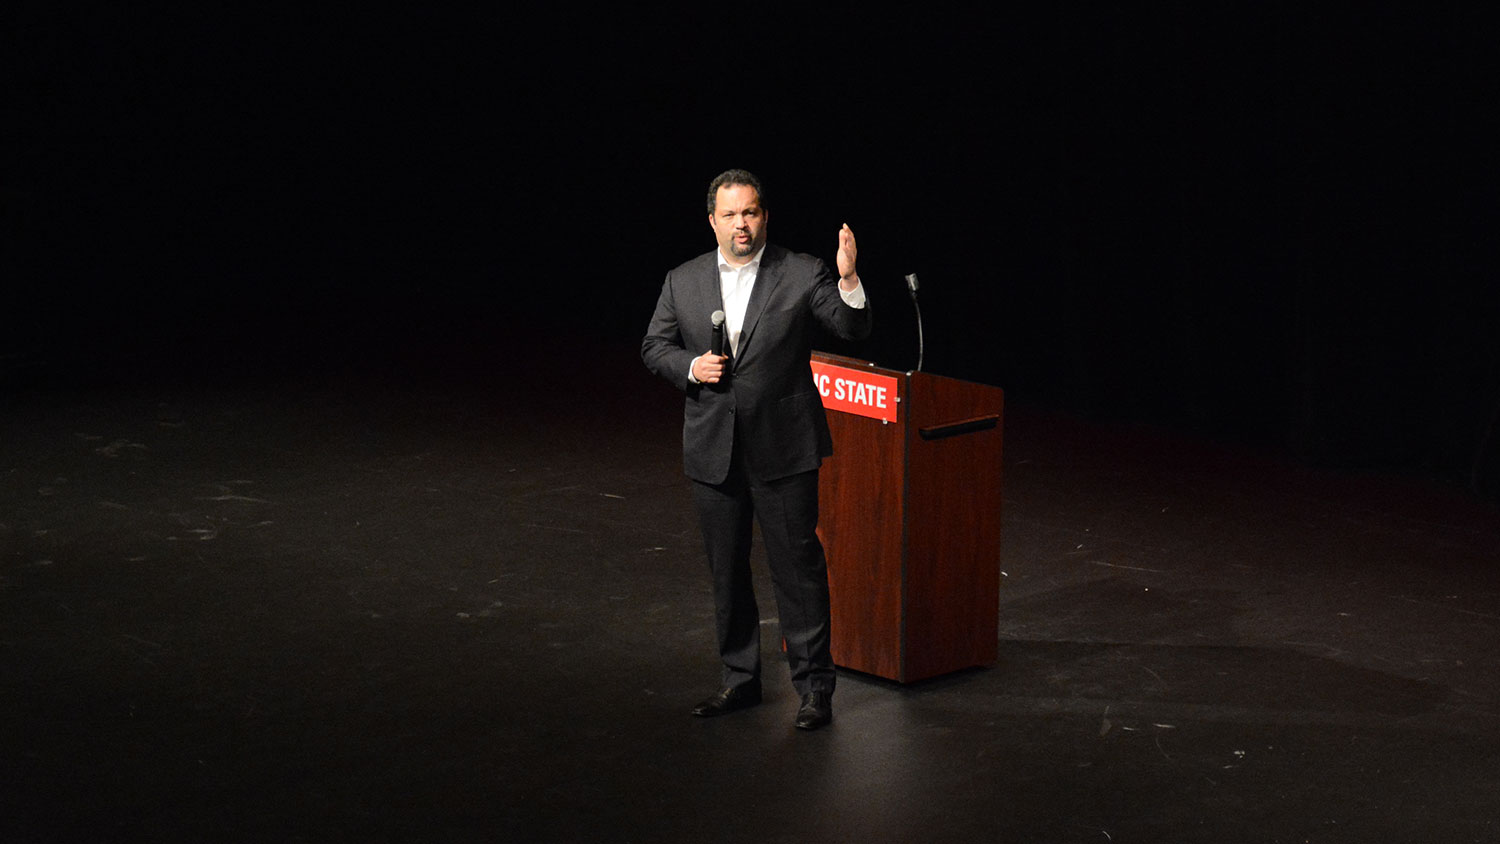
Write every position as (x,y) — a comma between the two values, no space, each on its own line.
(717,347)
(911,285)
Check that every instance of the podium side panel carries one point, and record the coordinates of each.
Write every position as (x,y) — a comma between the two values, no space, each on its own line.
(953,529)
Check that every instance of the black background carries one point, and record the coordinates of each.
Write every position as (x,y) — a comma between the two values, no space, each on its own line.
(1266,226)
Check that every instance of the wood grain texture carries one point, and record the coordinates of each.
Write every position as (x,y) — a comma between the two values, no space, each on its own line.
(912,531)
(861,505)
(953,529)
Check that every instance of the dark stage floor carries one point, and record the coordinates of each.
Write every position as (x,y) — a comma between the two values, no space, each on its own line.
(347,608)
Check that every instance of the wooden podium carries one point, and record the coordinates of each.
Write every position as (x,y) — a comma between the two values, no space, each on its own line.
(910,520)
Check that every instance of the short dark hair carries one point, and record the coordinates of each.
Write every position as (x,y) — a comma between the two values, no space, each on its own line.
(735,177)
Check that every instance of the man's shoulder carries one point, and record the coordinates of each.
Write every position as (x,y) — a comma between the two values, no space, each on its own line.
(707,261)
(789,261)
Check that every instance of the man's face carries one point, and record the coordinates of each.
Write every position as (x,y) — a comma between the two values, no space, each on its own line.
(739,222)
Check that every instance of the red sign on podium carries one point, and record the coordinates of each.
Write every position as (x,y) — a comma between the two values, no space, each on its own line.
(856,391)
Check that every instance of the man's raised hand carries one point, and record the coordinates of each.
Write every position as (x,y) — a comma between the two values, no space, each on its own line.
(847,254)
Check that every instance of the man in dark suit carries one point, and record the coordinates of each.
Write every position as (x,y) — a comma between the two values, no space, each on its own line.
(754,431)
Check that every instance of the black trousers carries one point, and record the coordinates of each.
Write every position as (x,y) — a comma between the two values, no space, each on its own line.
(787,510)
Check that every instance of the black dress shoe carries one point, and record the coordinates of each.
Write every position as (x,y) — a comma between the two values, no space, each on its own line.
(729,699)
(816,711)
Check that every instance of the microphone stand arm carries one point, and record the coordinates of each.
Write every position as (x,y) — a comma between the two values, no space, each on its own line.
(911,286)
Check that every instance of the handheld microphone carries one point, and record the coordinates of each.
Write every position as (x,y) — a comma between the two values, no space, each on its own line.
(717,347)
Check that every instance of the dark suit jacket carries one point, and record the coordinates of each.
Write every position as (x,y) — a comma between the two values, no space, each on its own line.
(768,406)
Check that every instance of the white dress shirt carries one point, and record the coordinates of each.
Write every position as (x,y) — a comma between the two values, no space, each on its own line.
(735,283)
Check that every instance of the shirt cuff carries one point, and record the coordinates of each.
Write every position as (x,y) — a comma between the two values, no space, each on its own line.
(854,298)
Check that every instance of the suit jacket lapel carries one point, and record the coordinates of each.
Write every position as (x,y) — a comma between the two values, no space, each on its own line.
(711,279)
(766,280)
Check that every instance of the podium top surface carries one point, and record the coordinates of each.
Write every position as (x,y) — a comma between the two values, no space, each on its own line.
(856,363)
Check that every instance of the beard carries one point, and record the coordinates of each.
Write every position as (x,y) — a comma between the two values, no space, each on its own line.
(741,250)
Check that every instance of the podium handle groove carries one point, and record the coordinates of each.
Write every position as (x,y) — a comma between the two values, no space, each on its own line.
(965,426)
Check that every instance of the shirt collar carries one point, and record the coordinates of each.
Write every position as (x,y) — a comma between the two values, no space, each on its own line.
(753,263)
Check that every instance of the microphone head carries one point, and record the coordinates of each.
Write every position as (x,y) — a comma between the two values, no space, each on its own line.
(718,318)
